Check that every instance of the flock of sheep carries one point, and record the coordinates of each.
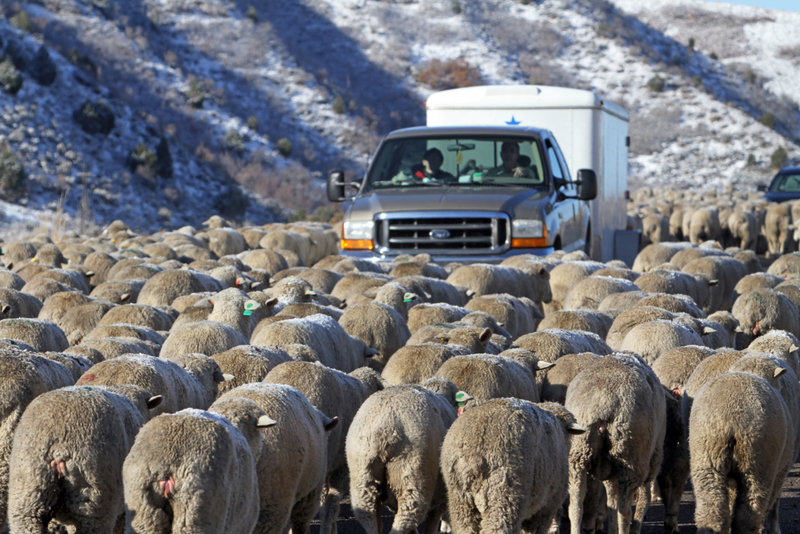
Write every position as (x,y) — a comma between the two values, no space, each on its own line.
(228,380)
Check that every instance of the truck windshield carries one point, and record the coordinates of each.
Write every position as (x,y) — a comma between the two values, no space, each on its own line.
(476,161)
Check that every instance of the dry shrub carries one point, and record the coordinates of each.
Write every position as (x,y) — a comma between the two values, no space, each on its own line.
(293,186)
(792,53)
(450,74)
(650,131)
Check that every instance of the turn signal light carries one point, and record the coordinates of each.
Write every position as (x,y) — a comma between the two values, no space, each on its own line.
(357,244)
(529,242)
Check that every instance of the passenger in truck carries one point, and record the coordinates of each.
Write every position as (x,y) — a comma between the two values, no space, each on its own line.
(509,153)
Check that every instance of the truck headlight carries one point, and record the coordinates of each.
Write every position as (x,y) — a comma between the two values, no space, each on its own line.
(357,235)
(528,233)
(527,228)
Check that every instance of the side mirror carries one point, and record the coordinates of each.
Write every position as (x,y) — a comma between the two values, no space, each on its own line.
(587,184)
(336,185)
(761,188)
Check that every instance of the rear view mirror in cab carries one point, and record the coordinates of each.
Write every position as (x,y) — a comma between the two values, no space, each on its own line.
(337,186)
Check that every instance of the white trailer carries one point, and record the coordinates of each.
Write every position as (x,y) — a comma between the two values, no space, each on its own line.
(591,131)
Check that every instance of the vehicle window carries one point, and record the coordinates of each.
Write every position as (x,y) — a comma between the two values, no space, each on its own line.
(787,183)
(480,161)
(555,165)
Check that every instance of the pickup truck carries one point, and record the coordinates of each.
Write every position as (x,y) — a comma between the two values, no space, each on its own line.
(483,203)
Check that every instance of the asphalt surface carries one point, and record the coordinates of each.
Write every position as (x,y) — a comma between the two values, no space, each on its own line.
(654,521)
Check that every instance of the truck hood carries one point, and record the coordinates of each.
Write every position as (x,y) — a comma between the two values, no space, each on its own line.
(504,199)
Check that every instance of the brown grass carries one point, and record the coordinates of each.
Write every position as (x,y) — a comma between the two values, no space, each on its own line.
(450,74)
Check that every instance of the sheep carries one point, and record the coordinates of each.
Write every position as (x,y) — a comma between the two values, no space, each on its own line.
(66,440)
(550,345)
(68,277)
(762,310)
(166,286)
(655,229)
(728,271)
(786,266)
(586,320)
(620,301)
(622,405)
(141,333)
(248,363)
(564,277)
(480,319)
(204,337)
(656,254)
(555,380)
(82,319)
(41,288)
(25,376)
(346,284)
(118,291)
(435,290)
(190,381)
(777,228)
(673,369)
(294,452)
(335,394)
(737,442)
(141,271)
(627,320)
(518,316)
(754,281)
(589,292)
(425,314)
(486,376)
(392,451)
(379,327)
(744,229)
(139,315)
(710,367)
(111,347)
(224,241)
(780,344)
(393,294)
(43,336)
(513,473)
(696,286)
(333,346)
(475,340)
(413,364)
(704,225)
(726,334)
(653,338)
(617,272)
(417,268)
(11,280)
(16,304)
(198,466)
(269,260)
(485,279)
(17,251)
(58,304)
(320,279)
(672,303)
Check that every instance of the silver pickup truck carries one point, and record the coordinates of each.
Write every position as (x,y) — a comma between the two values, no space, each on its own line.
(466,194)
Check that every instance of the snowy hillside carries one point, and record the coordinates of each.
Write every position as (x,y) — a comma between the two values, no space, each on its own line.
(290,90)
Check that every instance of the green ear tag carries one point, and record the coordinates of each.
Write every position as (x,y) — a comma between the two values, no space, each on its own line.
(247,312)
(407,300)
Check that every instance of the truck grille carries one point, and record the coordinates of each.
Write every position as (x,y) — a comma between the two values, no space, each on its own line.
(454,233)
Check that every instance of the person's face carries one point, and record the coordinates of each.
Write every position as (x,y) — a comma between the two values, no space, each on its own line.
(432,163)
(509,153)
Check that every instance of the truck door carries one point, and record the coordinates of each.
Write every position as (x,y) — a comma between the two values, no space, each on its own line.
(566,208)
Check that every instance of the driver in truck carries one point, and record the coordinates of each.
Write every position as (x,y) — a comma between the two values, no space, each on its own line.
(430,169)
(512,167)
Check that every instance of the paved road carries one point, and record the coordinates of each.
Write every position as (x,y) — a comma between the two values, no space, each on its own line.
(654,521)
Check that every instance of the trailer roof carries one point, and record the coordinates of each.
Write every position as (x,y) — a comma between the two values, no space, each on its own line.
(521,97)
(464,131)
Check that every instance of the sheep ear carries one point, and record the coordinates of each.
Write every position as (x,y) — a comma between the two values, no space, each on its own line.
(255,285)
(537,315)
(271,302)
(542,365)
(10,266)
(444,338)
(265,422)
(219,377)
(204,303)
(408,297)
(154,401)
(486,335)
(330,424)
(575,429)
(252,305)
(311,293)
(793,348)
(370,352)
(708,330)
(739,330)
(470,293)
(125,297)
(239,281)
(6,309)
(779,371)
(88,274)
(370,293)
(271,281)
(713,282)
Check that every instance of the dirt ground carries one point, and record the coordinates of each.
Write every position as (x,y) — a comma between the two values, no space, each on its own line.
(654,521)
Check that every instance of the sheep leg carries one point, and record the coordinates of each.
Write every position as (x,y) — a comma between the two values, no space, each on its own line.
(336,490)
(752,502)
(304,511)
(365,491)
(626,495)
(643,498)
(577,492)
(463,516)
(432,522)
(591,504)
(712,508)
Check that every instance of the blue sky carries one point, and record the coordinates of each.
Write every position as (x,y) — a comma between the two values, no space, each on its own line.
(785,5)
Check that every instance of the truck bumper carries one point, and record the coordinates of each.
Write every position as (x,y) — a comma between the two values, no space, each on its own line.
(496,258)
